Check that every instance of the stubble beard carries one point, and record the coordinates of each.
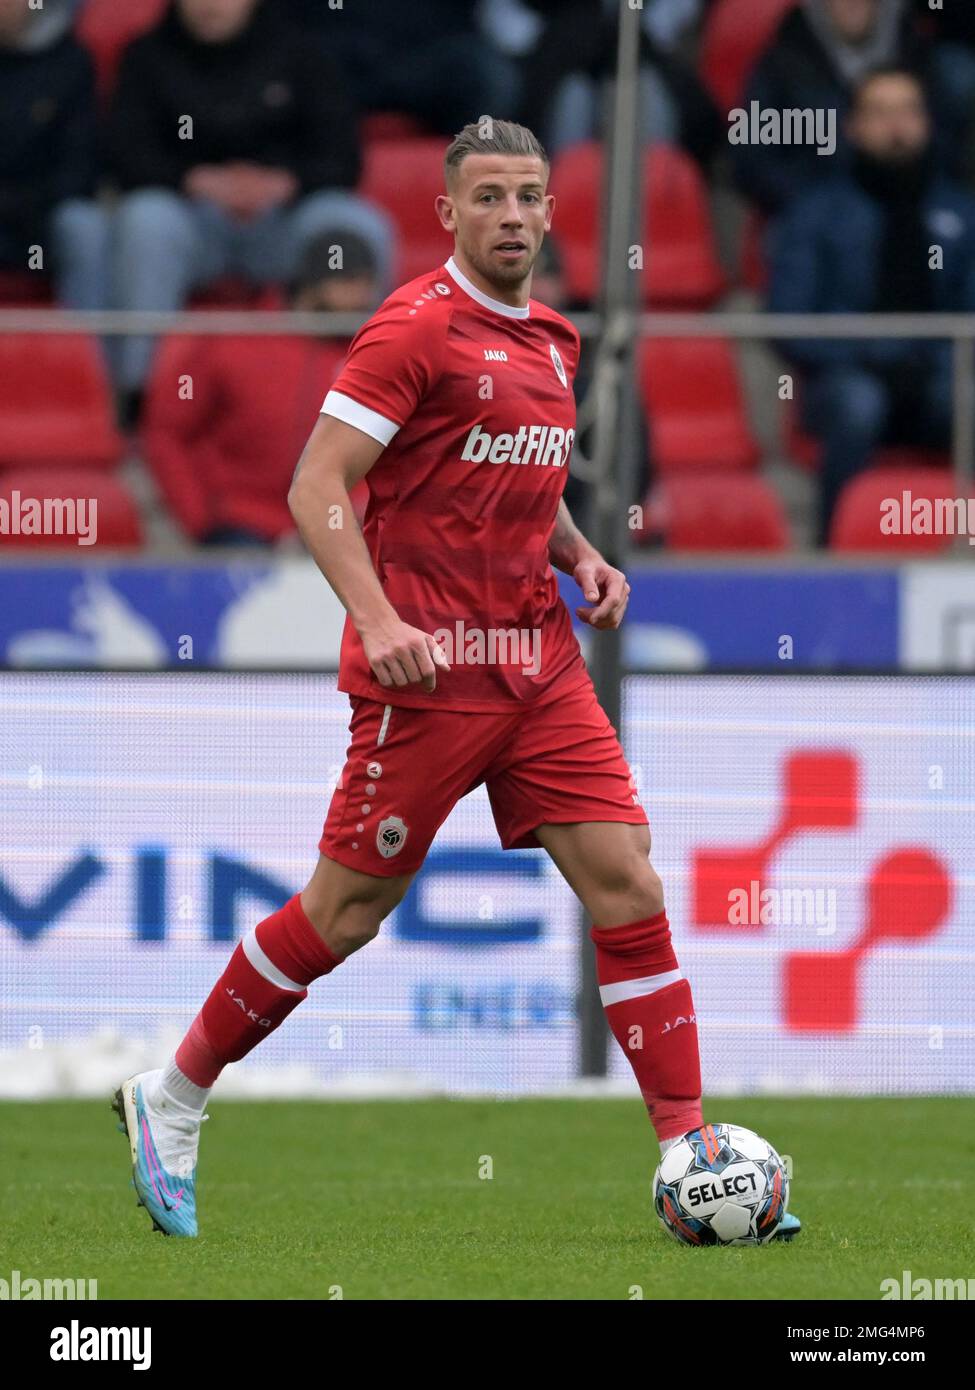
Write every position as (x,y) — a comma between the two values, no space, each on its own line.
(503,277)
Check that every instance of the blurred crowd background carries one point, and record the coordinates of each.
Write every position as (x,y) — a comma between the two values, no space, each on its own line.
(169,154)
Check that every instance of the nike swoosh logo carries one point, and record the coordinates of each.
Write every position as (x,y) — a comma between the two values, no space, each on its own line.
(152,1160)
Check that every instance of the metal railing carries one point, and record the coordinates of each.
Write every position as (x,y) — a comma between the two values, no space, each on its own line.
(959,329)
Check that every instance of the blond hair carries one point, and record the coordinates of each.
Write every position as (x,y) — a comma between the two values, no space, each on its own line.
(488,136)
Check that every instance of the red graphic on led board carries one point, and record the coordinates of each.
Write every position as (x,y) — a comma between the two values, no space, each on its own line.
(908,896)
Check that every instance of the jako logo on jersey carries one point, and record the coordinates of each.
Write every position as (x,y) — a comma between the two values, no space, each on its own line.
(545,444)
(495,355)
(391,836)
(557,362)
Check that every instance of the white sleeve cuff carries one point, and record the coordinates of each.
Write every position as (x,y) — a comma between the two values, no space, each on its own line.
(360,416)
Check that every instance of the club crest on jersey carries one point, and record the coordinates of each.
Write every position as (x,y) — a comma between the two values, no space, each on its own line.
(557,363)
(391,836)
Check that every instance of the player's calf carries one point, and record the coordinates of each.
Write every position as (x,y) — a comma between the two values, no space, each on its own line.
(347,907)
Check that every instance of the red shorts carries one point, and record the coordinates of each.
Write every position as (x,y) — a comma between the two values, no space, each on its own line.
(406,769)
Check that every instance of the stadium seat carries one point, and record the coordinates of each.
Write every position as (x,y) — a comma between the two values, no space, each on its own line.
(856,520)
(683,271)
(56,402)
(736,33)
(105,27)
(737,511)
(116,519)
(694,405)
(404,177)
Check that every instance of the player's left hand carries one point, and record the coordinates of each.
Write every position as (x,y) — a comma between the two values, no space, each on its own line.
(605,587)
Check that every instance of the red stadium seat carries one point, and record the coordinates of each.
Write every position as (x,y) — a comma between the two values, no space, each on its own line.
(105,27)
(693,399)
(116,519)
(577,184)
(736,34)
(857,518)
(736,511)
(404,177)
(55,402)
(683,271)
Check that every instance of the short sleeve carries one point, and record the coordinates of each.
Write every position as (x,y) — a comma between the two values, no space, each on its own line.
(393,361)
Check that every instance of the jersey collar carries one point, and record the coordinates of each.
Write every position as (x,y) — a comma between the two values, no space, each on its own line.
(510,311)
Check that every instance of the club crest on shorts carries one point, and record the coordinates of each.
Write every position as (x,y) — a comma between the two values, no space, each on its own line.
(391,836)
(557,363)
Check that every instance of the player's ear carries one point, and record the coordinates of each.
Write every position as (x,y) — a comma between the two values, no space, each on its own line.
(549,201)
(445,211)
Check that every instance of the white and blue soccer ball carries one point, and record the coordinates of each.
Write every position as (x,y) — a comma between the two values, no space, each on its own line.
(721,1185)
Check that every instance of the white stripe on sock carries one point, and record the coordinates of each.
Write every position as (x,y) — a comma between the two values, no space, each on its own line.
(264,966)
(634,989)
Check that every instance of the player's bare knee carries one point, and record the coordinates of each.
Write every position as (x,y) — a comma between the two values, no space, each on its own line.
(646,883)
(654,891)
(347,908)
(628,891)
(353,929)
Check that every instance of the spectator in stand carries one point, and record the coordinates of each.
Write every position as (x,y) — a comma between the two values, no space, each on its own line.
(952,85)
(822,49)
(234,143)
(227,418)
(575,52)
(48,154)
(426,58)
(869,241)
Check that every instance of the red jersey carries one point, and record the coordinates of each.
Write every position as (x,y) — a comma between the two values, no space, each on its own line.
(473,400)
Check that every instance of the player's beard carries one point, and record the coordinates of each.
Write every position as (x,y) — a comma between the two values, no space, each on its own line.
(497,273)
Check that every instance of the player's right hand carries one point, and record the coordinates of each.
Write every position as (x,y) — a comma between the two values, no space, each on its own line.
(402,655)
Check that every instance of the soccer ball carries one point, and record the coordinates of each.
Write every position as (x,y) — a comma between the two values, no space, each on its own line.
(721,1185)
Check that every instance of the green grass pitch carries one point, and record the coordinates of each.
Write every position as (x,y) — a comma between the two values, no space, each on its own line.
(385,1200)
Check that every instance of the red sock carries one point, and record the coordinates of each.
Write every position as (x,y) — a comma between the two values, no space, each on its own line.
(264,980)
(650,1010)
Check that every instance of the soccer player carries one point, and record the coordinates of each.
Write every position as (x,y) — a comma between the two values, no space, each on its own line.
(455,403)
